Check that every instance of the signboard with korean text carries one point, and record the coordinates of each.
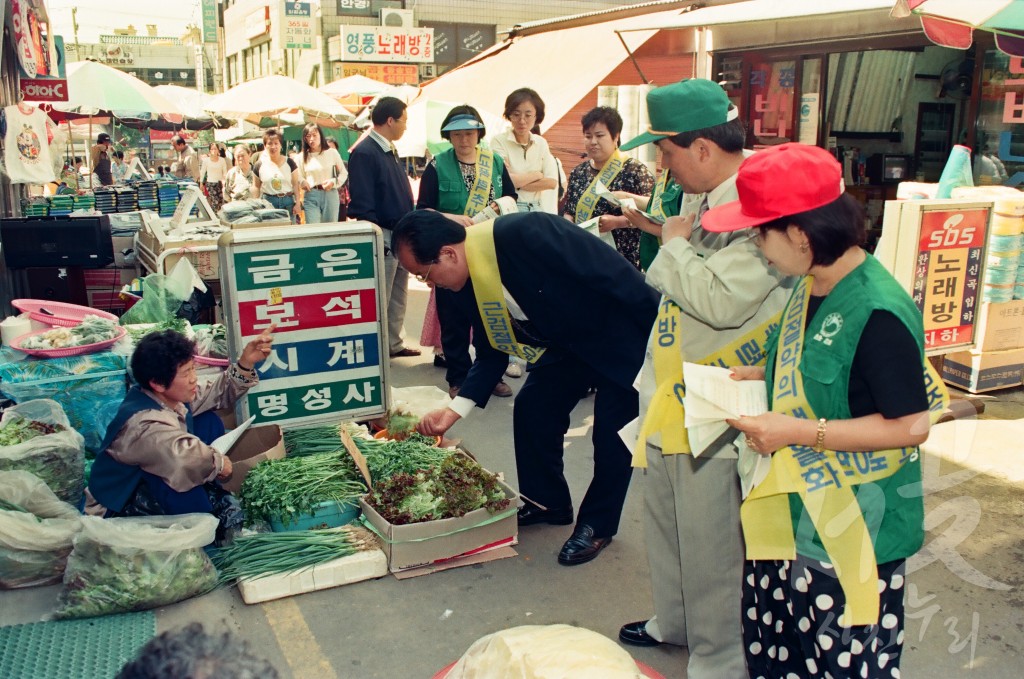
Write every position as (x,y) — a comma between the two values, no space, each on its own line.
(387,43)
(321,286)
(209,21)
(936,250)
(298,25)
(366,8)
(392,74)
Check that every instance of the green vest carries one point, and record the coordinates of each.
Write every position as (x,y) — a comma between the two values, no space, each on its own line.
(895,522)
(670,199)
(452,193)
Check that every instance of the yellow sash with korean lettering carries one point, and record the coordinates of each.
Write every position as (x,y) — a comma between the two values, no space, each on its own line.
(665,413)
(609,171)
(480,194)
(765,514)
(482,260)
(655,208)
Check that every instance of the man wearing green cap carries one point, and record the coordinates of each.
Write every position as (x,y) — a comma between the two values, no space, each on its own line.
(719,302)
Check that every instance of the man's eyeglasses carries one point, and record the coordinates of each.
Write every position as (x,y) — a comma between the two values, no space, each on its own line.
(424,277)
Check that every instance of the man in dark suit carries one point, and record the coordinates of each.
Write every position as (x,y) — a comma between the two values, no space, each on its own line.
(545,287)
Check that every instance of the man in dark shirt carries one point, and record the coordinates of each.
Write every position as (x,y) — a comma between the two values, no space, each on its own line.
(380,193)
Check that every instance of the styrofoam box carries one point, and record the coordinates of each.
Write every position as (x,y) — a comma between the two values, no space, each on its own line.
(344,571)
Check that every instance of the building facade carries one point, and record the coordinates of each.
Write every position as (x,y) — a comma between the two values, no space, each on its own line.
(394,41)
(156,60)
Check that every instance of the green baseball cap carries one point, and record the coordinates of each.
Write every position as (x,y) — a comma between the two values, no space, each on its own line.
(685,106)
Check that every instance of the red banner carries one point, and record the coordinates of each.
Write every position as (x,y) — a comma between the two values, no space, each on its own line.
(43,89)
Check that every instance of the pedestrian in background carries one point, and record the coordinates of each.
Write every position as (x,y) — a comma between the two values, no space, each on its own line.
(277,176)
(239,183)
(381,194)
(526,154)
(211,176)
(322,172)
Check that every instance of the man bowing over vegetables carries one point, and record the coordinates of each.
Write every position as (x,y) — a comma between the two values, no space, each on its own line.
(155,457)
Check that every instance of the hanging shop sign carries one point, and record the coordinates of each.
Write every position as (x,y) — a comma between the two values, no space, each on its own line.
(298,25)
(322,287)
(392,74)
(210,21)
(28,39)
(936,250)
(387,43)
(366,8)
(43,89)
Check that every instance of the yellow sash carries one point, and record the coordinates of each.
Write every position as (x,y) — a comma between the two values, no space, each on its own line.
(480,194)
(609,171)
(490,299)
(824,481)
(665,413)
(654,208)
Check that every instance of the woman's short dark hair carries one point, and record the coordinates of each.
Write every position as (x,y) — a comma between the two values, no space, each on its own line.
(119,155)
(607,115)
(462,110)
(522,96)
(425,232)
(831,229)
(387,107)
(158,356)
(730,136)
(273,133)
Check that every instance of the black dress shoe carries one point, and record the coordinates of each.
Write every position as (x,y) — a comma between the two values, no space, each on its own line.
(440,361)
(582,546)
(532,514)
(635,634)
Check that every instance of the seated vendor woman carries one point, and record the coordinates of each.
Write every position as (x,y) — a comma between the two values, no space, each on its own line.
(155,458)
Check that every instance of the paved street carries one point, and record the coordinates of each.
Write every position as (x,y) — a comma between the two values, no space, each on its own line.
(965,610)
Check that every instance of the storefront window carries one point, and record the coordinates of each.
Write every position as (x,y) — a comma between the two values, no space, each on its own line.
(810,101)
(999,134)
(772,84)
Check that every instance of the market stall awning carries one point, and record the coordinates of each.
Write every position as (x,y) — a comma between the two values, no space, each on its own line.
(562,65)
(273,95)
(951,23)
(765,23)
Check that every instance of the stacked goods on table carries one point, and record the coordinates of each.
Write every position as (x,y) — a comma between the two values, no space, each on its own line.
(36,529)
(85,201)
(252,211)
(37,206)
(133,564)
(147,195)
(127,199)
(61,205)
(167,196)
(106,199)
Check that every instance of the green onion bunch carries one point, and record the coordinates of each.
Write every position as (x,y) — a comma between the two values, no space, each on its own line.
(262,554)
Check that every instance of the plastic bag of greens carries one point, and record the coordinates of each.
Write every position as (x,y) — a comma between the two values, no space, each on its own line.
(161,298)
(133,564)
(212,340)
(35,436)
(36,530)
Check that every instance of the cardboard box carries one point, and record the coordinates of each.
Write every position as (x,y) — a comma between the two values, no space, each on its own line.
(978,372)
(343,571)
(1000,326)
(258,443)
(421,544)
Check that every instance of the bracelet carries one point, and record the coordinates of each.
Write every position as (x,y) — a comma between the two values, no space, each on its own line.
(819,442)
(241,367)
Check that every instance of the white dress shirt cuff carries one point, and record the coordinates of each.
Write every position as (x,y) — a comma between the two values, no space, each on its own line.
(462,406)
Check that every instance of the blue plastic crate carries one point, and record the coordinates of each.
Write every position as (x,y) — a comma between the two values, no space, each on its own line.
(327,515)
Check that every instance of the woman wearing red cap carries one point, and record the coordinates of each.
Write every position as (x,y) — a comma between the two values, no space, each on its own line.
(828,531)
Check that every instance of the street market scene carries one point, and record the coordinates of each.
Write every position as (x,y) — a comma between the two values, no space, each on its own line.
(442,338)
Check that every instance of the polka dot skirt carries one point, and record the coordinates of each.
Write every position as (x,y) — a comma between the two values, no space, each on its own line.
(790,628)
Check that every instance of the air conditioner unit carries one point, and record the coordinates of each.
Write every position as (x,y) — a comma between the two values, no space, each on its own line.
(428,71)
(397,18)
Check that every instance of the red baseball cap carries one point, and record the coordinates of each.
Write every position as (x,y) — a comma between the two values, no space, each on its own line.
(779,181)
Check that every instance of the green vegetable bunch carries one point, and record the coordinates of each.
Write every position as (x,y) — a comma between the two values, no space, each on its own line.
(212,340)
(17,430)
(178,324)
(451,489)
(256,556)
(101,579)
(288,488)
(401,424)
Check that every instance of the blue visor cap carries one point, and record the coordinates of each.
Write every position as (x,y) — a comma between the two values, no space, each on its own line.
(463,121)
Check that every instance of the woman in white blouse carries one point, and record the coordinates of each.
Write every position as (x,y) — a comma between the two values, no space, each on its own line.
(212,176)
(526,154)
(322,172)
